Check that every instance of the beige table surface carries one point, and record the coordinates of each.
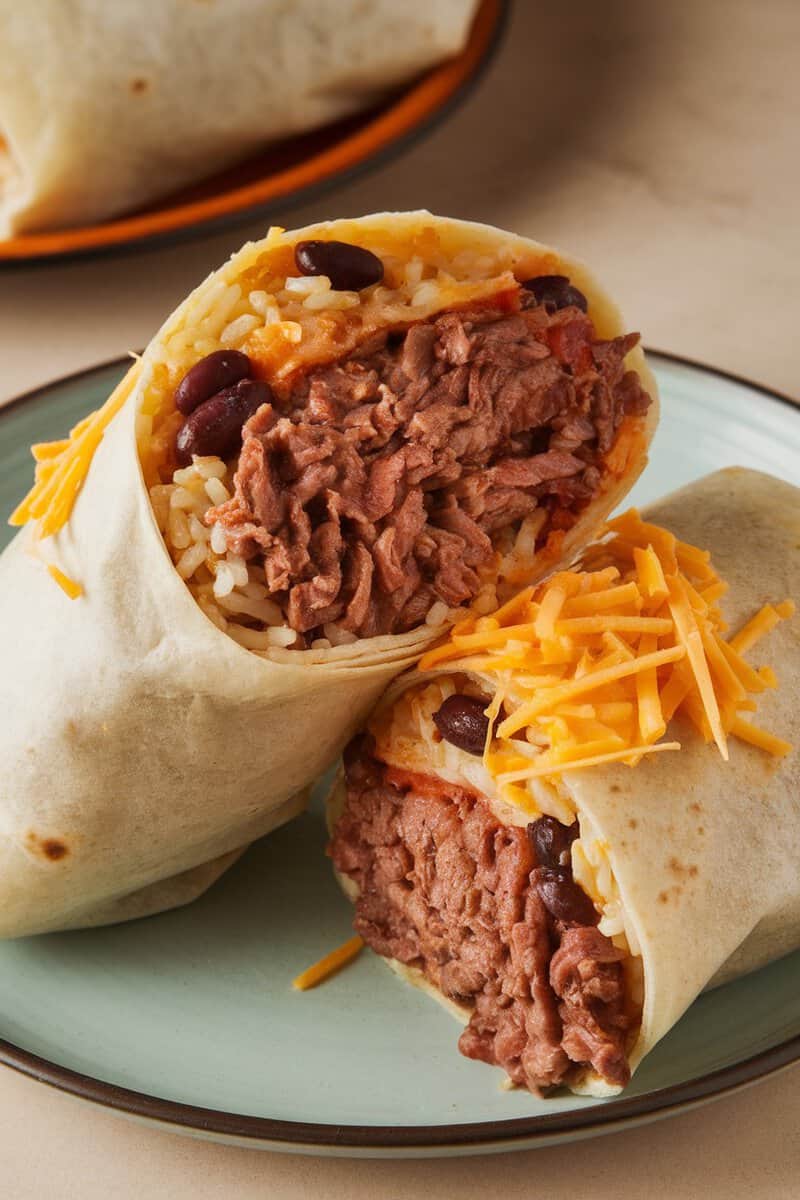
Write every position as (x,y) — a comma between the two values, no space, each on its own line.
(660,142)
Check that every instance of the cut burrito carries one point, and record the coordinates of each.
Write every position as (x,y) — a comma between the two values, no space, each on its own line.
(102,111)
(521,841)
(342,441)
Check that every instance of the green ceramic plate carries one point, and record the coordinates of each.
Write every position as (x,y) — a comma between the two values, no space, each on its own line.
(189,1019)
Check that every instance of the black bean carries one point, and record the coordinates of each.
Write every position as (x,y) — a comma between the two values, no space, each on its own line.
(563,898)
(550,841)
(461,721)
(349,268)
(216,426)
(209,376)
(555,291)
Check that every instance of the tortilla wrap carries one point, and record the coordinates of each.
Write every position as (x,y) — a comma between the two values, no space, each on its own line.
(140,744)
(705,854)
(102,111)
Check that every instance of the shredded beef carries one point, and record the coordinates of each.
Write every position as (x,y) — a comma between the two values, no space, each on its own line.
(585,974)
(374,485)
(444,887)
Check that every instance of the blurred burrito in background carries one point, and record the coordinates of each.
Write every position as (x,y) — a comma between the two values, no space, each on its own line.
(105,107)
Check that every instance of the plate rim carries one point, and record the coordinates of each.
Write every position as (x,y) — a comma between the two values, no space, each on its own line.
(413,112)
(320,1136)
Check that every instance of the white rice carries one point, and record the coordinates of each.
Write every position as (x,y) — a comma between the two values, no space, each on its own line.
(230,591)
(437,614)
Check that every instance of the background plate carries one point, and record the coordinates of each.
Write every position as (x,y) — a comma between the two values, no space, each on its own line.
(296,169)
(189,1018)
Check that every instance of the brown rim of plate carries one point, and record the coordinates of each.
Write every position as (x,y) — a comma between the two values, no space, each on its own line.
(522,1131)
(306,165)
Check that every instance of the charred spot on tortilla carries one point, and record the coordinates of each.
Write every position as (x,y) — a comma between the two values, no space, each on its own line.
(682,870)
(138,85)
(53,849)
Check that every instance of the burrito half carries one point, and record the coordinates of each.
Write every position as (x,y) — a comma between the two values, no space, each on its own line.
(539,829)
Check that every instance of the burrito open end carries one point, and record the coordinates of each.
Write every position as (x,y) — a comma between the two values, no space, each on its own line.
(519,840)
(383,419)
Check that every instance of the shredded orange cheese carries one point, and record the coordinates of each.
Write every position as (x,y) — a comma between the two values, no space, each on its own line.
(73,589)
(328,965)
(62,466)
(594,663)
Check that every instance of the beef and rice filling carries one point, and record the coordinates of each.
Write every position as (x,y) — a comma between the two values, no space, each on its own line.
(374,486)
(491,915)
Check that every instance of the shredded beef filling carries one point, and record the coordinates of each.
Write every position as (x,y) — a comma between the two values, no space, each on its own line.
(374,488)
(444,887)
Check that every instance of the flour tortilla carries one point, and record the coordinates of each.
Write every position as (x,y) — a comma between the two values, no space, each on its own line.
(104,106)
(706,854)
(141,747)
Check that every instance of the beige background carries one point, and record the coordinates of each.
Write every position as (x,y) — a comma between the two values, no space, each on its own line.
(659,142)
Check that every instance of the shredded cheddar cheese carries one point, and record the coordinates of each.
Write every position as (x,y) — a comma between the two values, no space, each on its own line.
(72,589)
(594,663)
(761,623)
(62,466)
(328,965)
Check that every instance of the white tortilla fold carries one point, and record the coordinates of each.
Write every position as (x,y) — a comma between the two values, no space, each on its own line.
(141,747)
(706,854)
(104,107)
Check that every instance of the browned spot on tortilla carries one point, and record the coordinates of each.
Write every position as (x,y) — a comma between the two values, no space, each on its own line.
(701,829)
(663,897)
(138,85)
(695,807)
(633,823)
(615,788)
(51,848)
(680,869)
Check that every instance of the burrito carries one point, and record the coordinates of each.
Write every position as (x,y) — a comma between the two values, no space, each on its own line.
(103,111)
(344,440)
(566,823)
